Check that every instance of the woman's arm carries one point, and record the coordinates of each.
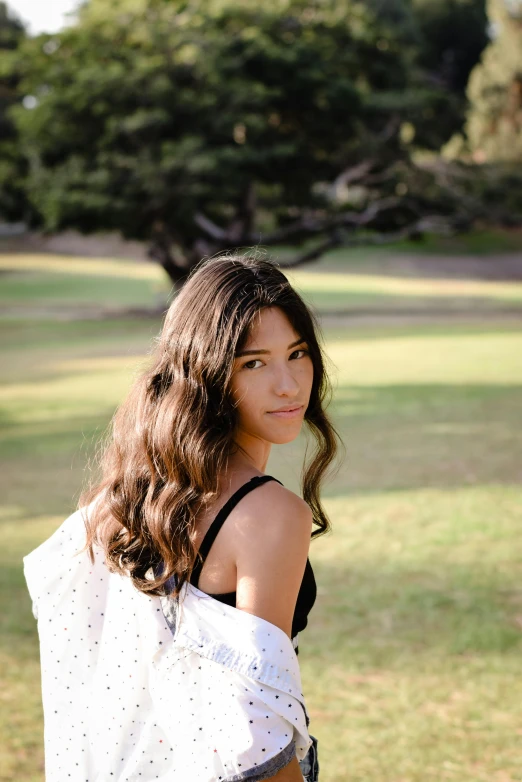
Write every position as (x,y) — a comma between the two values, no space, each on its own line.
(272,545)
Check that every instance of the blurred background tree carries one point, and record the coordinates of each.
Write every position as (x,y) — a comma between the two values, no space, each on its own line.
(489,150)
(13,202)
(211,125)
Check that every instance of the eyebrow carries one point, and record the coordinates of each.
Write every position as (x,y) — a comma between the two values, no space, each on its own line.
(261,350)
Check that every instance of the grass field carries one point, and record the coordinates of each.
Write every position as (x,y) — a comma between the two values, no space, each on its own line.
(39,286)
(411,662)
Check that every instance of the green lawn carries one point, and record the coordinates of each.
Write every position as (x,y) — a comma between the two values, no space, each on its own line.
(34,287)
(411,659)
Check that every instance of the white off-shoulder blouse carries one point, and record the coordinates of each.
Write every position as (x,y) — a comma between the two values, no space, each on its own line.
(138,688)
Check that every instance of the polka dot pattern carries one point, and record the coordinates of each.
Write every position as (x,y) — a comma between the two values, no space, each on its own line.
(145,688)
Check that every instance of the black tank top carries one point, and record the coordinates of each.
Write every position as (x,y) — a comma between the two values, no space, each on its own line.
(308,589)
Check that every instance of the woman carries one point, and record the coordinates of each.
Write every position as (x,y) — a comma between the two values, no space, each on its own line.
(168,650)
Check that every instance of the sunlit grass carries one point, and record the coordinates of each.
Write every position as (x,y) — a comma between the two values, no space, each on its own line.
(412,664)
(37,286)
(60,268)
(70,264)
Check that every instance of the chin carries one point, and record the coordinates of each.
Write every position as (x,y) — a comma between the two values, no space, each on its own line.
(283,440)
(282,437)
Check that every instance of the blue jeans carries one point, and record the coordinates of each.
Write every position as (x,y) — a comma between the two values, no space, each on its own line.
(309,765)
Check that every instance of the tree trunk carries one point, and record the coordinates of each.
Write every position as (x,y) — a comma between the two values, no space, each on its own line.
(160,250)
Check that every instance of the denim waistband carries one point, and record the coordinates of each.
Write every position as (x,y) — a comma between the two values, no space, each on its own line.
(309,765)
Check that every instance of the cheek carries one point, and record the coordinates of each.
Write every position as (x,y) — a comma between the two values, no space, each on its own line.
(242,391)
(306,376)
(247,393)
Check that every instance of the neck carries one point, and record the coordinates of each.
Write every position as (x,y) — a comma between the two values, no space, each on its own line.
(249,452)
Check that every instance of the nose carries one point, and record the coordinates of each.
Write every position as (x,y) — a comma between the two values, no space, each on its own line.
(285,382)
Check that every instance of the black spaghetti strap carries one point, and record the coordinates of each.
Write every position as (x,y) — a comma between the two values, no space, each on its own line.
(222,514)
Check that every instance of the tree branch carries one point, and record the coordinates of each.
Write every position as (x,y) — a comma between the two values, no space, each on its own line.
(351,174)
(335,240)
(310,225)
(428,223)
(210,228)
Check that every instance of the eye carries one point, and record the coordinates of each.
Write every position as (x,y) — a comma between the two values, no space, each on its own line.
(247,365)
(302,350)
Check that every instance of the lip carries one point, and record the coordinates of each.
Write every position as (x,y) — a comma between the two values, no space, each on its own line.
(293,413)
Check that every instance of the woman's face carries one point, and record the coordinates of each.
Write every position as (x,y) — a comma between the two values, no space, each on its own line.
(273,370)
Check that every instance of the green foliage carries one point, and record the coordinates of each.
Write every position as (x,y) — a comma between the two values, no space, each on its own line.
(497,187)
(494,125)
(443,40)
(490,152)
(148,113)
(454,34)
(12,200)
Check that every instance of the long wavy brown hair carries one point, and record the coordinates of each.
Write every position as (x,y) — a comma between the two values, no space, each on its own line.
(168,442)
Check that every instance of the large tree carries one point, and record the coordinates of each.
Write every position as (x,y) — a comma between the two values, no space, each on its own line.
(13,204)
(214,125)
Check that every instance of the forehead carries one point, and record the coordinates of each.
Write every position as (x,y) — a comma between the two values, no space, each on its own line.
(271,324)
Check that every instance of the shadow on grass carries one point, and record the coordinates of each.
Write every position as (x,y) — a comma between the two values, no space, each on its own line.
(396,437)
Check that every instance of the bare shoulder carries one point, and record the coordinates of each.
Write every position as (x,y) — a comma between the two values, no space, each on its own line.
(271,510)
(272,531)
